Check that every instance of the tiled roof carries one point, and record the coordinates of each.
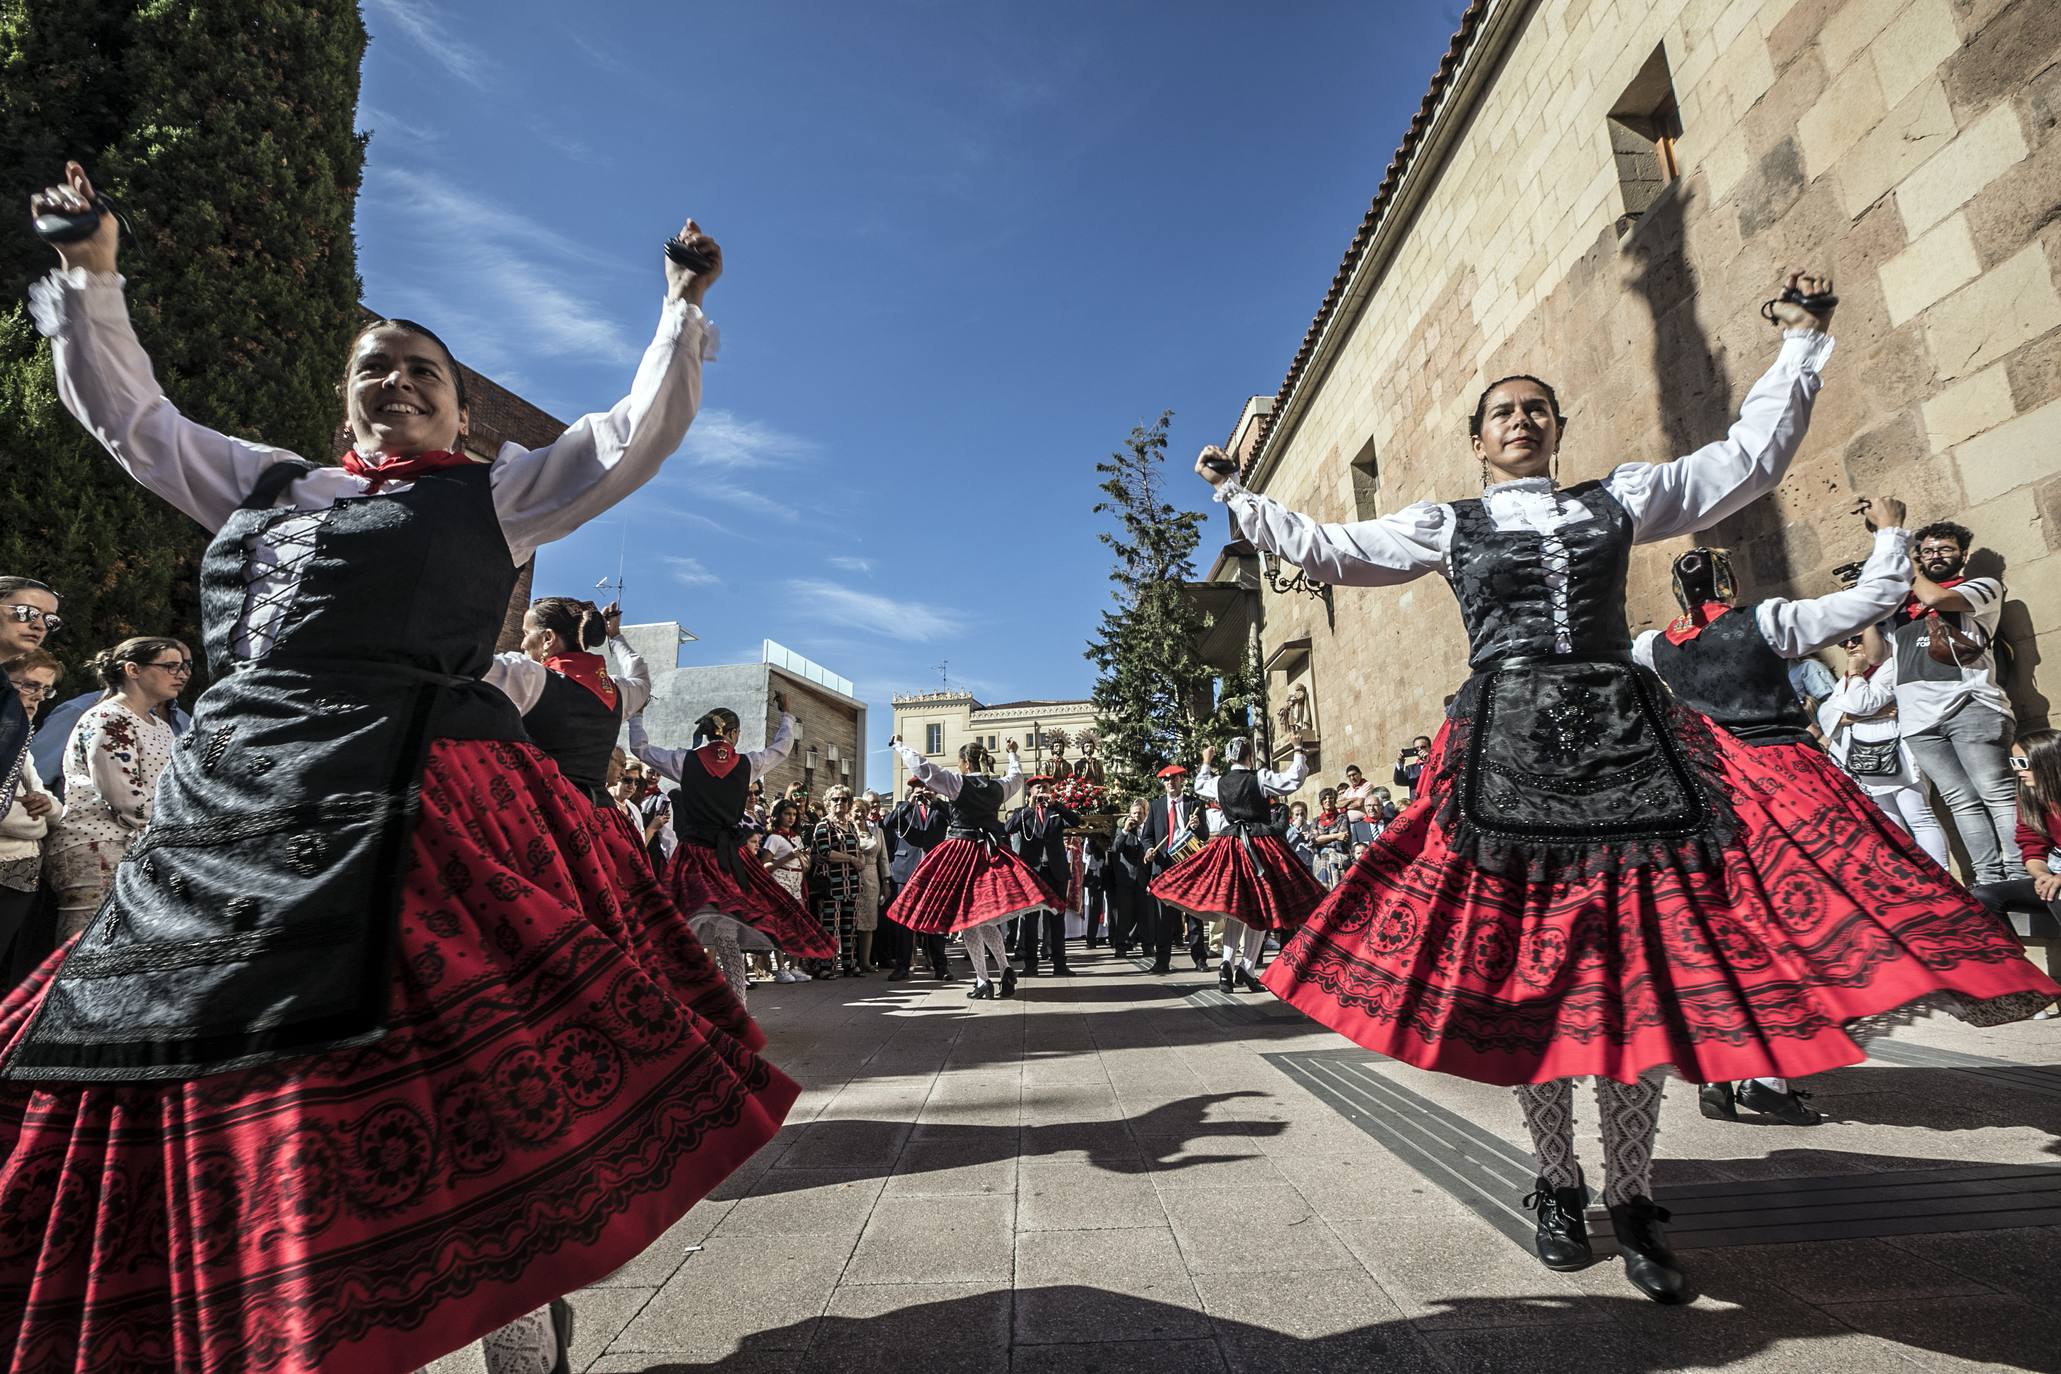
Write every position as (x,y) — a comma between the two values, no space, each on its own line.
(1456,52)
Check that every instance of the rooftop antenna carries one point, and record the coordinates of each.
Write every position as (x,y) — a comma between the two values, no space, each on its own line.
(944,679)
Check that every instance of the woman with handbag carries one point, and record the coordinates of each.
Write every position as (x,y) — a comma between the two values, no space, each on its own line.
(1859,723)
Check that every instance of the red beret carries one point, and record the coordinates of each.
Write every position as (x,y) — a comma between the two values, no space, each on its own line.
(1172,770)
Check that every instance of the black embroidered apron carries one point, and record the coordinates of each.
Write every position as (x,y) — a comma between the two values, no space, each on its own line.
(256,917)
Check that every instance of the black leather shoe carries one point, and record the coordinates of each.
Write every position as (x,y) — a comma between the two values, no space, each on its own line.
(1715,1101)
(1064,972)
(1785,1107)
(942,974)
(562,1331)
(1008,982)
(1247,981)
(982,992)
(1563,1238)
(1161,969)
(1200,954)
(1648,1262)
(1224,980)
(898,975)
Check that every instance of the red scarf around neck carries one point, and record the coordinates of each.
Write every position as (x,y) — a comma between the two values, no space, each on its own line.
(1914,609)
(406,469)
(589,670)
(1690,624)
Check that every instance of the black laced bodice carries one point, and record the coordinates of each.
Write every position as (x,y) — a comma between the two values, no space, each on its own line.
(1509,599)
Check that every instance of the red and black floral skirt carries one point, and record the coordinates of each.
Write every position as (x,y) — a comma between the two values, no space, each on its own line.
(564,1074)
(1256,880)
(1766,952)
(965,883)
(701,887)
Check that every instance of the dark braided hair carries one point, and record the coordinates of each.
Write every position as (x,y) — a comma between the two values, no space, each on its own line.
(580,622)
(721,720)
(1481,406)
(976,757)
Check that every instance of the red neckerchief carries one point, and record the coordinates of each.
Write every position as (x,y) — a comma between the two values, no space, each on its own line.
(401,469)
(1687,626)
(1327,819)
(718,758)
(589,670)
(1914,609)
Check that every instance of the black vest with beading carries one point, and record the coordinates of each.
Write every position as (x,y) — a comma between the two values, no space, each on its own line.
(1500,578)
(1731,674)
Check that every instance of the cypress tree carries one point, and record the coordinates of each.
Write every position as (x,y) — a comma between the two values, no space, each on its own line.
(1153,692)
(226,131)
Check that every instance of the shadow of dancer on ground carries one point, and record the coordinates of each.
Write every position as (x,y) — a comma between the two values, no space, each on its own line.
(1165,1138)
(1342,1321)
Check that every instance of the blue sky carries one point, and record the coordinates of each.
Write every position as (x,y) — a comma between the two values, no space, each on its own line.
(969,246)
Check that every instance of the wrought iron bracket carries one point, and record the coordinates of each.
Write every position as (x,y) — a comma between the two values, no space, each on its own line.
(1271,568)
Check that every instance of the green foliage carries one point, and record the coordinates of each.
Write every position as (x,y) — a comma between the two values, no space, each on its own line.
(1152,690)
(226,130)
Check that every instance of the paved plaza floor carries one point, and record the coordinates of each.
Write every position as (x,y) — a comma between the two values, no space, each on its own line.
(1116,1173)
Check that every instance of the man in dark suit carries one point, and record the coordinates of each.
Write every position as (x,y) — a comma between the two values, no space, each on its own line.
(1040,827)
(1173,818)
(913,829)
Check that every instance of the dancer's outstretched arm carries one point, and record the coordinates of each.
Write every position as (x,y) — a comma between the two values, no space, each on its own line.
(1721,479)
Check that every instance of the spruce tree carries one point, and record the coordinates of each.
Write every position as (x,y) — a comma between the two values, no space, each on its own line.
(226,131)
(1153,693)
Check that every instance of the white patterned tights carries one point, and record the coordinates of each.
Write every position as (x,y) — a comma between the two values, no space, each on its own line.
(1631,1119)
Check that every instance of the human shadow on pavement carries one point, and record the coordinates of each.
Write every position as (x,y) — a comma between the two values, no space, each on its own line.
(1068,1328)
(1168,1137)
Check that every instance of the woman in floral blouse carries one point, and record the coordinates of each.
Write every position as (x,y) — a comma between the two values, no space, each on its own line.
(111,765)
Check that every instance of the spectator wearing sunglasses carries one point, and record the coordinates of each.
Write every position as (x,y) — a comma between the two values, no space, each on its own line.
(28,615)
(111,767)
(26,823)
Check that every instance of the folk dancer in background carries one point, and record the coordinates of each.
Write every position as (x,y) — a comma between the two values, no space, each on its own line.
(1730,664)
(914,829)
(716,886)
(1245,876)
(1040,826)
(970,882)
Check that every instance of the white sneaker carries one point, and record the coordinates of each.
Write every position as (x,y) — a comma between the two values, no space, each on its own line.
(801,977)
(783,976)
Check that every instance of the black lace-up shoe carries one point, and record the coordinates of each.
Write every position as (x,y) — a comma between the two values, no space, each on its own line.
(1248,982)
(982,992)
(1008,982)
(1648,1262)
(1715,1101)
(1785,1107)
(1224,978)
(1563,1240)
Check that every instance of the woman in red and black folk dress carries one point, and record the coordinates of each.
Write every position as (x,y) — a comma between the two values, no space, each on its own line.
(1593,880)
(365,1058)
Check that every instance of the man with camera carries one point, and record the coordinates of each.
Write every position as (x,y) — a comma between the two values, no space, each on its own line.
(1409,764)
(1940,661)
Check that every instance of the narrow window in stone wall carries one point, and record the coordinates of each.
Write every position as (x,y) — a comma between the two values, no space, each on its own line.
(1366,473)
(1645,125)
(933,739)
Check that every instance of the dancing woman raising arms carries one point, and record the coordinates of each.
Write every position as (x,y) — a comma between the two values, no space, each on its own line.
(1592,881)
(353,1066)
(715,885)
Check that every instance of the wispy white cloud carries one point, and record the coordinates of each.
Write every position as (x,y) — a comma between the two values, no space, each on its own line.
(846,563)
(905,620)
(601,57)
(724,439)
(420,23)
(379,120)
(506,266)
(751,501)
(688,572)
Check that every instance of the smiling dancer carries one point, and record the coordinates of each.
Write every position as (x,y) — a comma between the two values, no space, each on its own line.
(354,1067)
(716,886)
(1591,880)
(1730,664)
(1244,876)
(970,882)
